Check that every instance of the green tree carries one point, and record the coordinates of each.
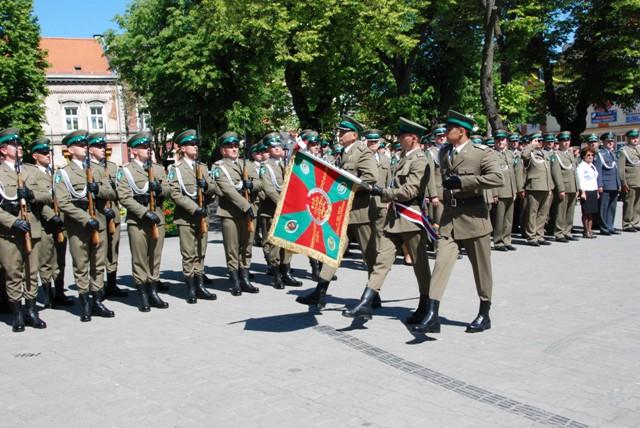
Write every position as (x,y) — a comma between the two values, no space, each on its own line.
(22,69)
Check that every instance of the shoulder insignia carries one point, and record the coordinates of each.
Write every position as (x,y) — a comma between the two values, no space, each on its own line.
(516,159)
(58,177)
(554,157)
(262,171)
(172,174)
(216,172)
(119,174)
(480,147)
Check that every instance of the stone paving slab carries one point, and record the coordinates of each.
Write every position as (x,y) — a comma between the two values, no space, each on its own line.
(563,351)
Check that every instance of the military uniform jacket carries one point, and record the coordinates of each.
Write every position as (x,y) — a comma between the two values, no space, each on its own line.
(132,184)
(71,191)
(184,192)
(45,182)
(434,153)
(359,161)
(413,181)
(384,177)
(272,178)
(518,169)
(477,167)
(629,165)
(563,171)
(507,164)
(10,210)
(608,176)
(537,170)
(228,176)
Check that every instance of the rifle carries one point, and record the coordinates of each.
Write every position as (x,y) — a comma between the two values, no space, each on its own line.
(155,234)
(95,235)
(111,223)
(246,193)
(56,208)
(24,214)
(204,221)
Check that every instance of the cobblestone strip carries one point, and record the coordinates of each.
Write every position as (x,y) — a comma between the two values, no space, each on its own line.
(470,391)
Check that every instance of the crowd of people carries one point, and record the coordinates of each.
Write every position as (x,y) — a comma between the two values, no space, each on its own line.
(474,191)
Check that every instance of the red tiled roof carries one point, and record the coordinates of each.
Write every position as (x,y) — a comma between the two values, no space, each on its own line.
(75,56)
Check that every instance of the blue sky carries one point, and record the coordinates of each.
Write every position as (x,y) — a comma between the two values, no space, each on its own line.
(77,18)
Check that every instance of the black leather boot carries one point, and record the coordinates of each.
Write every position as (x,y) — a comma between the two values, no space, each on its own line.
(111,289)
(277,278)
(48,295)
(245,282)
(154,299)
(482,321)
(143,298)
(287,279)
(99,309)
(202,292)
(32,319)
(190,282)
(235,283)
(206,279)
(162,287)
(420,312)
(431,321)
(85,307)
(364,309)
(18,317)
(317,297)
(315,270)
(60,299)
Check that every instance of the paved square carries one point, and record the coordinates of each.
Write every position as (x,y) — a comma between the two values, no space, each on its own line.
(564,351)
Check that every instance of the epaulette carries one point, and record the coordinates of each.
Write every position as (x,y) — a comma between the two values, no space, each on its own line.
(481,147)
(219,162)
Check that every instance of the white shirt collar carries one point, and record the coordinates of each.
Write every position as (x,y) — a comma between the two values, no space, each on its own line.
(139,162)
(10,164)
(78,162)
(347,148)
(188,161)
(411,151)
(459,148)
(43,169)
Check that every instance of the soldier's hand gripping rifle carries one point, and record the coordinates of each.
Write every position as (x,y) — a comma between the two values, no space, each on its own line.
(111,222)
(246,192)
(24,212)
(155,233)
(95,235)
(56,207)
(204,220)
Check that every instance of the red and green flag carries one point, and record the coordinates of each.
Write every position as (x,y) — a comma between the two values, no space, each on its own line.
(313,212)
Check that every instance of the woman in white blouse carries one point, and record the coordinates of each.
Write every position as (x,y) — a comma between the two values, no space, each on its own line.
(588,185)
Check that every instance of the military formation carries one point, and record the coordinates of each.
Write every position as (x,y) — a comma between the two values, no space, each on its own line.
(428,193)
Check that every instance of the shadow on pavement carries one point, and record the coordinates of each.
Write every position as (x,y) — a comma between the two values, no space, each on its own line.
(280,323)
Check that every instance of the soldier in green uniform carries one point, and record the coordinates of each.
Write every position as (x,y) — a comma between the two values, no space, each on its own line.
(52,226)
(145,226)
(505,195)
(358,160)
(563,168)
(411,186)
(272,177)
(20,267)
(440,138)
(106,170)
(89,260)
(629,167)
(188,215)
(236,213)
(538,186)
(518,169)
(467,170)
(378,208)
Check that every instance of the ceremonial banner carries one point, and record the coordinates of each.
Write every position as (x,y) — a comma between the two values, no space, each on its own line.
(313,211)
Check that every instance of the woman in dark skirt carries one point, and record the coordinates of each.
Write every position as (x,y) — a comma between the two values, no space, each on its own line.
(588,185)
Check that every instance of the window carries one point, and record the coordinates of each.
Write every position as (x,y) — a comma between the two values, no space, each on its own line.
(96,119)
(71,118)
(143,120)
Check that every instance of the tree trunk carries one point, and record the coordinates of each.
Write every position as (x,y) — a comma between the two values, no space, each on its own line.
(486,71)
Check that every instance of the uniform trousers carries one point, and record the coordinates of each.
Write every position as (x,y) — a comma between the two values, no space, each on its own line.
(479,252)
(631,208)
(113,249)
(365,235)
(89,261)
(193,248)
(536,211)
(435,213)
(274,255)
(235,239)
(146,252)
(248,252)
(564,215)
(388,245)
(48,258)
(608,203)
(503,215)
(13,258)
(61,257)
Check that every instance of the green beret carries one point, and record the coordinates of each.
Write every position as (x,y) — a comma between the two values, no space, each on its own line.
(514,137)
(458,119)
(476,139)
(534,136)
(632,133)
(190,136)
(608,136)
(489,142)
(350,124)
(500,133)
(96,139)
(397,146)
(325,143)
(262,148)
(255,148)
(272,139)
(9,135)
(229,137)
(40,145)
(406,126)
(75,137)
(139,139)
(440,129)
(564,136)
(592,138)
(372,134)
(311,137)
(549,137)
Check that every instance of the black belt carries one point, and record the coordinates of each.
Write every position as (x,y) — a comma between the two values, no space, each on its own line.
(144,199)
(83,204)
(456,202)
(12,207)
